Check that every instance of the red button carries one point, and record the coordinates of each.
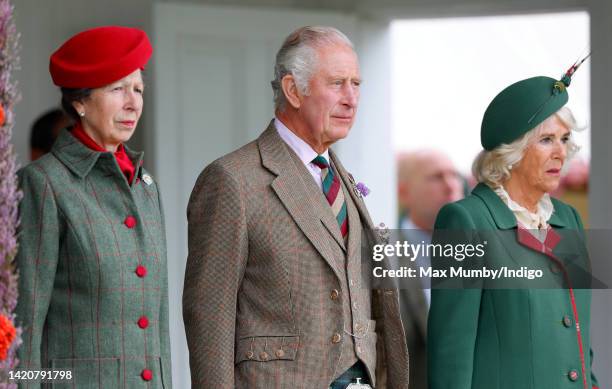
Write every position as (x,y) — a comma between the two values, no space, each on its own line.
(147,375)
(573,375)
(141,271)
(130,222)
(143,322)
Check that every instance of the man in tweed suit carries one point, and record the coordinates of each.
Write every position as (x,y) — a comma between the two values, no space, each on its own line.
(273,295)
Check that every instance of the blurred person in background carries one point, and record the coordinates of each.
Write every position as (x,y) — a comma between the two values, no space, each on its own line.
(426,180)
(45,130)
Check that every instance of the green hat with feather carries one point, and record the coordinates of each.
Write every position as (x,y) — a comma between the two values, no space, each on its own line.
(522,106)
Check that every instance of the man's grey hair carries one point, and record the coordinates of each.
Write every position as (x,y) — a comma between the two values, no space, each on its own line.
(495,167)
(298,57)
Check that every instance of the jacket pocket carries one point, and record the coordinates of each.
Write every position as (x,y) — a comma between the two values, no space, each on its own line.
(267,348)
(88,372)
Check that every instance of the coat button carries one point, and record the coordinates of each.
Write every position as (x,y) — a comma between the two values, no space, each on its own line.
(554,268)
(130,221)
(141,271)
(572,375)
(263,356)
(567,321)
(334,294)
(143,322)
(280,353)
(147,375)
(249,355)
(336,338)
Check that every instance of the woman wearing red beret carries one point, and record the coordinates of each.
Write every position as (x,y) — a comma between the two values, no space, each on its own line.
(92,252)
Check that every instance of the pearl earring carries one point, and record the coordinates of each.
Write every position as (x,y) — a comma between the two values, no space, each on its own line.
(82,114)
(509,167)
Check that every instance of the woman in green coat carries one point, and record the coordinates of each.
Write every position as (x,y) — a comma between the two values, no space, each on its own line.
(536,335)
(93,294)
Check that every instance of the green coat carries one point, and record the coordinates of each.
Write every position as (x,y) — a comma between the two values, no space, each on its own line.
(508,339)
(93,294)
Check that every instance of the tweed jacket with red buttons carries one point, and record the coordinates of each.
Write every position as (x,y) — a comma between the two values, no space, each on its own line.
(93,295)
(267,278)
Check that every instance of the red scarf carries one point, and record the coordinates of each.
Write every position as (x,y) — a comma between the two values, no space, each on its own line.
(125,163)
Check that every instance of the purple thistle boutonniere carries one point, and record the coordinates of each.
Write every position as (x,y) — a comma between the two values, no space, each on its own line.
(362,189)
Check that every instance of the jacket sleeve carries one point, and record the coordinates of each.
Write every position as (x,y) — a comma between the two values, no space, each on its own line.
(164,317)
(218,251)
(453,319)
(37,257)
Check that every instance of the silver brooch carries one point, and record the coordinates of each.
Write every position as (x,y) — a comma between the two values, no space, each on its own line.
(147,179)
(383,233)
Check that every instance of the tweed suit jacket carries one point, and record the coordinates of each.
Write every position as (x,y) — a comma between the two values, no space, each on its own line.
(529,338)
(93,295)
(264,255)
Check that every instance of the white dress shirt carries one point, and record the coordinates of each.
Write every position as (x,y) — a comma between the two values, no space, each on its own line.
(302,149)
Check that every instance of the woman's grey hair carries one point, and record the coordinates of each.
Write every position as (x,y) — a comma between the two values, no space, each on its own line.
(495,167)
(298,57)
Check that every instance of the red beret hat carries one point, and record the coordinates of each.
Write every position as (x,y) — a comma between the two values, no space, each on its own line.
(99,56)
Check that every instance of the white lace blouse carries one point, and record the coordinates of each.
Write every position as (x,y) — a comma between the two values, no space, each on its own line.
(536,223)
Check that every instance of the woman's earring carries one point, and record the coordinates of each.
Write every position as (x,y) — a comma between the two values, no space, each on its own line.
(509,167)
(82,114)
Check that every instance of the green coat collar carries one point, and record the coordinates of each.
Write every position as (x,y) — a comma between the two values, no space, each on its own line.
(80,159)
(502,215)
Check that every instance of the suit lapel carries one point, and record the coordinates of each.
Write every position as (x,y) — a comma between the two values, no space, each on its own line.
(354,226)
(502,216)
(300,195)
(349,182)
(320,205)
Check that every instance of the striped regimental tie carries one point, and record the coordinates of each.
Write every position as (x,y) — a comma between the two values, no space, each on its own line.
(333,192)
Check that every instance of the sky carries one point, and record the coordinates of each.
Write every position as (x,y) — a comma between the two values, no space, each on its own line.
(446,71)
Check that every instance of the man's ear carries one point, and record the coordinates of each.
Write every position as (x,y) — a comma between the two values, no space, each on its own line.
(291,91)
